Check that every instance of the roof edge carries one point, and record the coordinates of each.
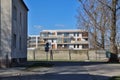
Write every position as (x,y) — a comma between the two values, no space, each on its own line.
(25,5)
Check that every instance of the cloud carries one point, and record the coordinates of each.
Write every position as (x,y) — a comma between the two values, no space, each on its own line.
(38,26)
(59,25)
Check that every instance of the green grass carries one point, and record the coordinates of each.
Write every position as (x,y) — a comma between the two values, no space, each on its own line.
(115,78)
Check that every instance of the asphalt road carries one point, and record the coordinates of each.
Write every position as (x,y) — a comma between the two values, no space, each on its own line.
(64,71)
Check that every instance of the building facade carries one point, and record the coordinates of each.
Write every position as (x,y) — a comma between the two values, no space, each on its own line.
(65,39)
(33,41)
(13,31)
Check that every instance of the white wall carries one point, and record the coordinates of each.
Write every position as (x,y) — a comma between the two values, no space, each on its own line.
(6,28)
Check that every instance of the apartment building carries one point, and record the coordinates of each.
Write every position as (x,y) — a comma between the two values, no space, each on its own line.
(65,39)
(13,32)
(33,41)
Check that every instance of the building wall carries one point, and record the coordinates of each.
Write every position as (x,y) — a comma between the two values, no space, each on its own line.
(74,39)
(0,27)
(6,29)
(33,41)
(19,29)
(13,34)
(61,55)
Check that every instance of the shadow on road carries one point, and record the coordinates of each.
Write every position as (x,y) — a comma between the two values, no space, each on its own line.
(55,76)
(67,63)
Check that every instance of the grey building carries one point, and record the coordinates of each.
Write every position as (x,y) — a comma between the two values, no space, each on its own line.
(13,32)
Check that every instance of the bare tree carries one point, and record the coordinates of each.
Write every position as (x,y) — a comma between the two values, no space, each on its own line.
(102,16)
(113,6)
(113,47)
(93,18)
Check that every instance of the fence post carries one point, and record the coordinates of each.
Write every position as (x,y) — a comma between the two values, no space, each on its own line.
(69,54)
(96,53)
(47,56)
(88,55)
(34,54)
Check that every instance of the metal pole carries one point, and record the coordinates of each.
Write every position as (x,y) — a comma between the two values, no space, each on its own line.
(51,55)
(47,56)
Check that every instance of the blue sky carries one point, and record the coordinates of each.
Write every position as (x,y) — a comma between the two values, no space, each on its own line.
(51,15)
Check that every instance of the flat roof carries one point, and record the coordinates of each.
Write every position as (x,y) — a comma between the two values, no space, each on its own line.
(33,35)
(68,30)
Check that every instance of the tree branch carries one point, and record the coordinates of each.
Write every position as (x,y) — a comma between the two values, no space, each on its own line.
(106,5)
(118,8)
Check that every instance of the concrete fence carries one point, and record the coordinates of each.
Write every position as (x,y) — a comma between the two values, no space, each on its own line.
(74,55)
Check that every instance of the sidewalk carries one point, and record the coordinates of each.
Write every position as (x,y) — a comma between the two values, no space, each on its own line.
(107,70)
(63,71)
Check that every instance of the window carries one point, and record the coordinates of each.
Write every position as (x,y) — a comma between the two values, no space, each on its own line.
(66,40)
(14,40)
(78,39)
(66,34)
(65,46)
(20,43)
(59,34)
(77,45)
(85,34)
(86,39)
(74,46)
(38,37)
(74,34)
(52,40)
(20,18)
(78,34)
(85,46)
(14,13)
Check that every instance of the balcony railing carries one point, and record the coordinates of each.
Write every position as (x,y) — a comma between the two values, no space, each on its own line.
(81,42)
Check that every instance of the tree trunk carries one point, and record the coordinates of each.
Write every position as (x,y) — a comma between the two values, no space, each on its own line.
(103,40)
(113,47)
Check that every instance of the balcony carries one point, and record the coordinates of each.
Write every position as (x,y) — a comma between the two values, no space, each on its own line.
(48,36)
(79,42)
(52,36)
(85,34)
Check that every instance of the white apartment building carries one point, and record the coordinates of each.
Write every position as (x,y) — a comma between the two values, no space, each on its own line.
(33,41)
(65,39)
(13,32)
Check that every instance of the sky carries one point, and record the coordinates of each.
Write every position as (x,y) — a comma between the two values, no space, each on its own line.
(51,15)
